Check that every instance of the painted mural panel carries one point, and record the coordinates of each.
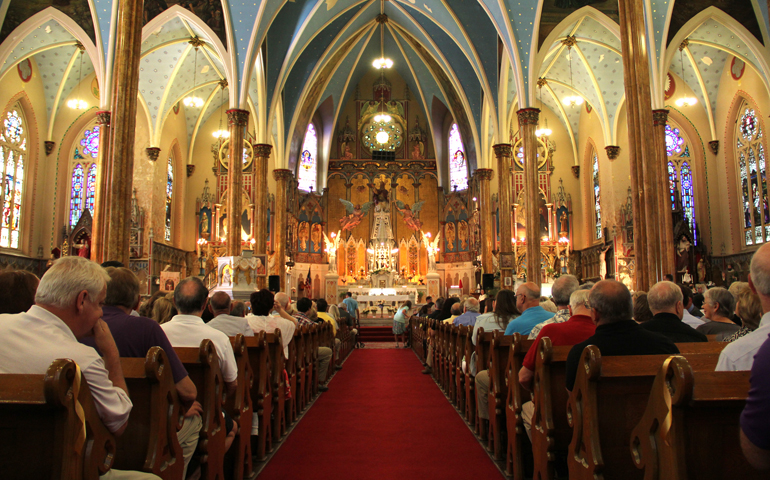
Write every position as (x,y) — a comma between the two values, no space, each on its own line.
(210,11)
(21,10)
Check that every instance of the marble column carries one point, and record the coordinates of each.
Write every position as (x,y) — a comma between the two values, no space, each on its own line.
(641,140)
(119,184)
(503,153)
(528,118)
(237,121)
(261,156)
(487,219)
(666,230)
(102,174)
(282,178)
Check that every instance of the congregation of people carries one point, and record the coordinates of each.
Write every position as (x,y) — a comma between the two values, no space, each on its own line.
(94,314)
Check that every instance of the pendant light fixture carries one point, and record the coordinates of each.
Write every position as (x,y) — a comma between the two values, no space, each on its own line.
(192,100)
(684,101)
(542,132)
(381,64)
(571,100)
(78,103)
(221,133)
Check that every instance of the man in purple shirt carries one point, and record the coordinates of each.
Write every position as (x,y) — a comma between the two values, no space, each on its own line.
(134,336)
(755,419)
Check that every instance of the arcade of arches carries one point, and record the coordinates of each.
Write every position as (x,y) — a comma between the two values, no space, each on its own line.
(501,137)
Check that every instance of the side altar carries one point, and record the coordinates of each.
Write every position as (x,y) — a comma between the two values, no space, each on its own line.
(238,275)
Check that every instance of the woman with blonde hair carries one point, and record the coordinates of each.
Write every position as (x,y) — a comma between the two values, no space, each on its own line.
(163,310)
(749,309)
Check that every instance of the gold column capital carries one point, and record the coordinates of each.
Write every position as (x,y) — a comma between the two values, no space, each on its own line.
(238,117)
(503,150)
(485,173)
(103,117)
(282,174)
(262,150)
(528,116)
(659,117)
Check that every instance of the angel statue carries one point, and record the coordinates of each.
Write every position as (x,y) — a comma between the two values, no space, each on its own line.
(331,249)
(355,214)
(410,214)
(432,248)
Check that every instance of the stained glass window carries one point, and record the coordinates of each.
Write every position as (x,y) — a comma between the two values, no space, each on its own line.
(90,142)
(91,188)
(13,153)
(753,176)
(680,175)
(306,174)
(458,167)
(76,194)
(169,192)
(597,198)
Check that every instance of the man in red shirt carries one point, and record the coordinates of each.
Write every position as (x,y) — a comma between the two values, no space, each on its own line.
(578,328)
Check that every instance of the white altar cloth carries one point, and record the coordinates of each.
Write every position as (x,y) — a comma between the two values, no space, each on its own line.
(377,299)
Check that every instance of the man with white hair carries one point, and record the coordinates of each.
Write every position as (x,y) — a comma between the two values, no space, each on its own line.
(528,303)
(561,292)
(579,327)
(739,355)
(666,303)
(68,306)
(468,318)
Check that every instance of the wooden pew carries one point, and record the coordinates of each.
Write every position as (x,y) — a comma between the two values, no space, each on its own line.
(150,442)
(551,433)
(470,381)
(498,392)
(483,344)
(298,392)
(618,387)
(690,428)
(516,396)
(202,366)
(282,408)
(311,370)
(42,435)
(261,392)
(451,361)
(240,409)
(459,348)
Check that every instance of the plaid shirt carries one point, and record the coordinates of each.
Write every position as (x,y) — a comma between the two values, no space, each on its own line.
(303,320)
(560,317)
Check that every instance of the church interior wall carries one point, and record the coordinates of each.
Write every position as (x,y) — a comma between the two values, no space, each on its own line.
(144,180)
(174,142)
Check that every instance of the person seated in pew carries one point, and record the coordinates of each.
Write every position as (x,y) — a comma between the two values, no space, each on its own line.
(667,306)
(456,310)
(304,306)
(528,303)
(642,312)
(261,319)
(68,306)
(718,308)
(221,307)
(755,418)
(687,316)
(135,336)
(739,355)
(323,306)
(17,290)
(579,327)
(188,330)
(350,322)
(749,309)
(561,291)
(504,311)
(471,308)
(616,332)
(238,309)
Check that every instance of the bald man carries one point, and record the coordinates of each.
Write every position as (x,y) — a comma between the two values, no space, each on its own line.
(221,308)
(528,303)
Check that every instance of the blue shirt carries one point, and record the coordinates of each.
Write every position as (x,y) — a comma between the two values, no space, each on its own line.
(531,317)
(468,319)
(352,305)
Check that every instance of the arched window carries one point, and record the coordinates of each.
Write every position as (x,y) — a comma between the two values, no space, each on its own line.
(597,196)
(680,179)
(13,152)
(83,176)
(169,193)
(458,167)
(753,176)
(306,171)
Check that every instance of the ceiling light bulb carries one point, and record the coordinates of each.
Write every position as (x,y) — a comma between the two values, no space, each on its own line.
(221,134)
(543,132)
(193,102)
(77,104)
(382,62)
(686,101)
(382,137)
(573,101)
(382,117)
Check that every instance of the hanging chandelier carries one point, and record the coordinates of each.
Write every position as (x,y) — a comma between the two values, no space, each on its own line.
(192,100)
(684,101)
(382,63)
(571,100)
(542,132)
(221,133)
(78,103)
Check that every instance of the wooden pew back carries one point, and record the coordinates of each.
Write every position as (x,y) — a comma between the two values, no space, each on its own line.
(261,392)
(498,391)
(282,408)
(240,408)
(150,442)
(42,433)
(515,398)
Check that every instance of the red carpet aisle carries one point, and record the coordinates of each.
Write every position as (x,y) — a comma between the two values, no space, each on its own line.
(381,419)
